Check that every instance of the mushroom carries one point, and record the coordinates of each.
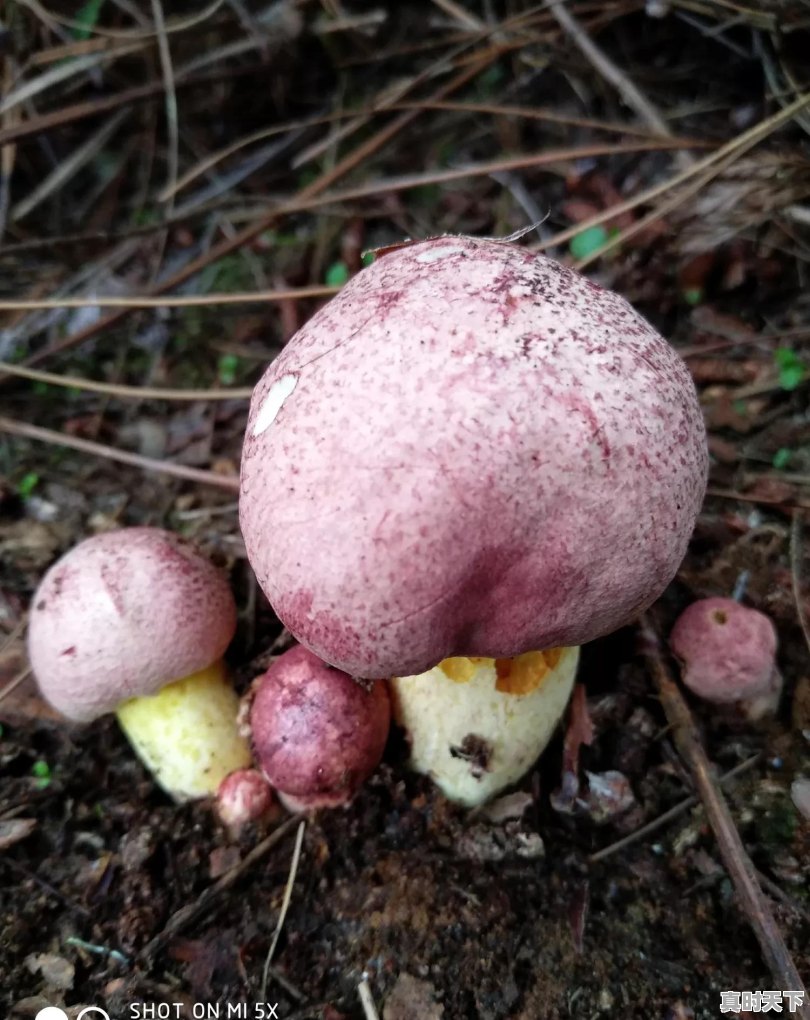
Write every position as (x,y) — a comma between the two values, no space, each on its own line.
(728,655)
(244,796)
(136,622)
(317,735)
(471,451)
(476,725)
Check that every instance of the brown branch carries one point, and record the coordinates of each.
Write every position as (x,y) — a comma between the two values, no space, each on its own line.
(668,816)
(735,858)
(166,467)
(796,574)
(630,93)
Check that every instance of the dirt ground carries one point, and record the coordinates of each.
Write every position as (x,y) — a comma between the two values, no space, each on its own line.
(236,149)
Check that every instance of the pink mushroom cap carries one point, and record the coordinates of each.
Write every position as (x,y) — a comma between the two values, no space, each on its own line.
(243,796)
(317,734)
(727,650)
(471,450)
(121,615)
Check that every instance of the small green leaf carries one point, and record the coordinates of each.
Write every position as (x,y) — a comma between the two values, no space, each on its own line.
(587,242)
(27,484)
(226,369)
(41,771)
(693,295)
(337,274)
(792,370)
(87,18)
(368,258)
(781,458)
(791,377)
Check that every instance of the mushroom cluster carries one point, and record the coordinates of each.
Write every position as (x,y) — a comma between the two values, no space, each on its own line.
(136,622)
(471,451)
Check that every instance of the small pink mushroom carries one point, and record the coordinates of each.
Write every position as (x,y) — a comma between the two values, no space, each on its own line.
(136,622)
(243,796)
(317,734)
(470,451)
(123,613)
(728,655)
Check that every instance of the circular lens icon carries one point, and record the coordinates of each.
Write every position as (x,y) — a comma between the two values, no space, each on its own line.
(51,1013)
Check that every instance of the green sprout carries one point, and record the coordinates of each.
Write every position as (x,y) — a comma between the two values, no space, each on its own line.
(781,458)
(27,484)
(41,771)
(86,18)
(792,370)
(226,369)
(587,242)
(337,274)
(693,295)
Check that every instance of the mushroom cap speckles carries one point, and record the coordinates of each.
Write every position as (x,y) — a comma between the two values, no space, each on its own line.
(122,614)
(471,450)
(728,651)
(317,734)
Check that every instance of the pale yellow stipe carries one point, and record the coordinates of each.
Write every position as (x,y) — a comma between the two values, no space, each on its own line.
(186,735)
(475,725)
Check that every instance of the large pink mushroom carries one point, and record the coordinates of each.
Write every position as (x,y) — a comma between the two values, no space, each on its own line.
(470,451)
(728,655)
(136,622)
(317,734)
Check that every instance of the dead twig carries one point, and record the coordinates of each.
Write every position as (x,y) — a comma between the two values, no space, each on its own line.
(668,816)
(735,858)
(285,906)
(168,300)
(125,392)
(630,93)
(165,467)
(796,574)
(185,915)
(367,1000)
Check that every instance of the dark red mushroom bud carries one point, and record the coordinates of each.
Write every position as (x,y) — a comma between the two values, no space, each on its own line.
(317,734)
(728,655)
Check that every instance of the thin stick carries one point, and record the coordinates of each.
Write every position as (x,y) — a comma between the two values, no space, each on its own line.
(185,915)
(630,93)
(737,862)
(668,816)
(166,467)
(170,100)
(168,300)
(285,905)
(367,1001)
(15,682)
(125,392)
(795,572)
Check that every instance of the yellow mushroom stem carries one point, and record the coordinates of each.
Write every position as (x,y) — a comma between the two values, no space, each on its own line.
(476,725)
(187,734)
